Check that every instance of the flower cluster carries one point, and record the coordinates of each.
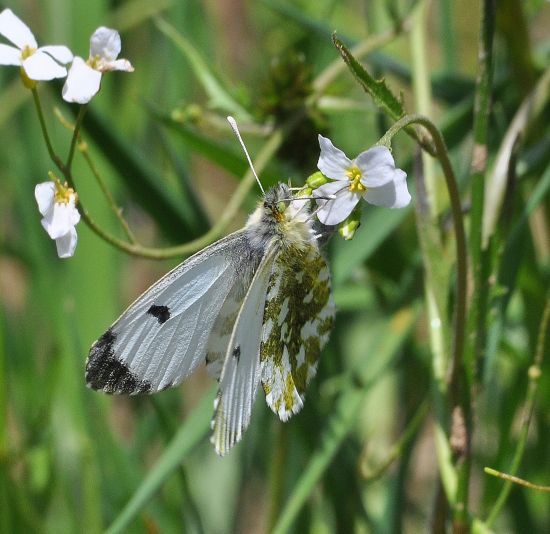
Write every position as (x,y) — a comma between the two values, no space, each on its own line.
(57,203)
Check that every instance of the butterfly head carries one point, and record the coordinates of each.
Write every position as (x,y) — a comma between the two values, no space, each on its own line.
(283,216)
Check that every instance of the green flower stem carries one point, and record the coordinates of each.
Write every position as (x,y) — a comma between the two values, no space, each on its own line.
(117,210)
(456,377)
(516,480)
(534,374)
(267,152)
(54,157)
(76,135)
(83,148)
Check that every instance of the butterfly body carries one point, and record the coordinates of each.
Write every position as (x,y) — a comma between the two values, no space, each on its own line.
(255,307)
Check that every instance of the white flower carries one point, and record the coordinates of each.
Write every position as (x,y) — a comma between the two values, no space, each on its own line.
(37,63)
(57,205)
(372,175)
(84,78)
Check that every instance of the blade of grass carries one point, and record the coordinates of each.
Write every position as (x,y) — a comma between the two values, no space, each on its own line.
(193,430)
(218,95)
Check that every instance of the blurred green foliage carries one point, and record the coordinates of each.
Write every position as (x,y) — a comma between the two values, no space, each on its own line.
(75,460)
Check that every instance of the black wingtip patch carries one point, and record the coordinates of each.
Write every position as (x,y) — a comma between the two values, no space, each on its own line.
(162,313)
(107,373)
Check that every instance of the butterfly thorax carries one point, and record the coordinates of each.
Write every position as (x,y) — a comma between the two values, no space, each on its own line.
(282,217)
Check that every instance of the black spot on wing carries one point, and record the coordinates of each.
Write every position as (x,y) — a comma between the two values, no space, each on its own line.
(162,313)
(105,372)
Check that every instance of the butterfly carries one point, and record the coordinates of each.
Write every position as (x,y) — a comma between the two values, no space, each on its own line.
(255,307)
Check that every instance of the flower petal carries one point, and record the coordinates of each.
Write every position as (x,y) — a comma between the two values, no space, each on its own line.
(44,194)
(105,43)
(61,221)
(66,244)
(41,66)
(377,166)
(74,217)
(59,52)
(82,82)
(119,64)
(15,30)
(394,194)
(335,211)
(9,55)
(333,163)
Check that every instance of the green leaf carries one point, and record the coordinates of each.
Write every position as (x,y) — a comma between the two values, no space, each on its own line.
(379,91)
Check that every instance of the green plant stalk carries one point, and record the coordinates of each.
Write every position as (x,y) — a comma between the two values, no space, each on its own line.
(480,257)
(276,474)
(423,95)
(6,515)
(117,210)
(53,156)
(76,134)
(516,480)
(447,35)
(397,449)
(457,380)
(534,374)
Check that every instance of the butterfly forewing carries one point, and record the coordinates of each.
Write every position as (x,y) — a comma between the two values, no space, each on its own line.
(161,338)
(298,317)
(241,371)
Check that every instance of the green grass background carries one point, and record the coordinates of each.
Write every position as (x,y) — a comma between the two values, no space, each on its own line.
(75,460)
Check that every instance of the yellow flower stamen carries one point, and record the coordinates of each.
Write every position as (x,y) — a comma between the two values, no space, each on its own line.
(354,174)
(27,52)
(64,193)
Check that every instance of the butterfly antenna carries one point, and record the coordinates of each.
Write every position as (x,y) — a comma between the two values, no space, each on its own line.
(233,124)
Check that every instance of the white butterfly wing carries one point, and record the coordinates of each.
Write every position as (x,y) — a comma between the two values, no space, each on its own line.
(241,370)
(162,337)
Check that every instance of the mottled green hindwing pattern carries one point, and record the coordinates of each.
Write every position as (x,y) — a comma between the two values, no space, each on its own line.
(298,317)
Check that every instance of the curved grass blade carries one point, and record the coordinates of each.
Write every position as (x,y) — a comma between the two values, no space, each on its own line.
(218,95)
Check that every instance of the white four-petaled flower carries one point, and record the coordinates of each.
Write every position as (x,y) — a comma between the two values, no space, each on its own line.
(372,175)
(44,63)
(84,78)
(57,205)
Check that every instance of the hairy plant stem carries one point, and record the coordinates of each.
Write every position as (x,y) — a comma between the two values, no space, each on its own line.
(456,376)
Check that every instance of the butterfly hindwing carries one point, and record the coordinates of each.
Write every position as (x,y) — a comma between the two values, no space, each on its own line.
(162,337)
(298,317)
